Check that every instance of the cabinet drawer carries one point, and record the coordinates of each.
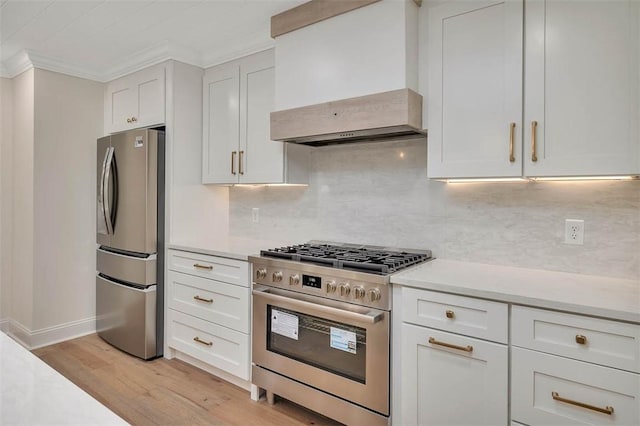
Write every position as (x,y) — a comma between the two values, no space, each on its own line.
(221,303)
(458,314)
(546,390)
(218,346)
(218,268)
(604,342)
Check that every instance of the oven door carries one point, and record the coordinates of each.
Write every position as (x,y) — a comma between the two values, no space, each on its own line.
(337,347)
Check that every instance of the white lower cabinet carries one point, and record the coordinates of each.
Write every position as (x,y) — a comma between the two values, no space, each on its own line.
(449,373)
(552,390)
(467,385)
(208,316)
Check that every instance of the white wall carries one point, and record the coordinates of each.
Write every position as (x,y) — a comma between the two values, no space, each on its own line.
(21,306)
(68,120)
(378,193)
(6,136)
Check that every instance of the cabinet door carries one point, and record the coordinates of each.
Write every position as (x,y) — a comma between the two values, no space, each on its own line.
(149,87)
(120,104)
(221,111)
(581,87)
(475,89)
(445,386)
(261,158)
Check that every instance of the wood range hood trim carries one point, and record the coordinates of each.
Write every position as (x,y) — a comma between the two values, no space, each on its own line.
(396,114)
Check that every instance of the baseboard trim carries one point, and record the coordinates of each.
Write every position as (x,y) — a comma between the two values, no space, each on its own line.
(50,335)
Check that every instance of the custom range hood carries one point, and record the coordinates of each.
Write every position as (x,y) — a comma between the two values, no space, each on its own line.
(393,114)
(346,71)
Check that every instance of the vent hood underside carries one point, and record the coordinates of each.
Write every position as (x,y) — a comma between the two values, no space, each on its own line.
(388,115)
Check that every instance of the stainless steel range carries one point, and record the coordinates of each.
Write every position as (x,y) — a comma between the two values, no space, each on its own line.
(321,326)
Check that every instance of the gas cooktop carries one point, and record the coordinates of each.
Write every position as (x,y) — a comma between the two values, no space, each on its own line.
(369,259)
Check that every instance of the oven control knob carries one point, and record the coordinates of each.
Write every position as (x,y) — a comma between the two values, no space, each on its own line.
(374,295)
(331,287)
(277,277)
(345,289)
(294,279)
(261,274)
(358,292)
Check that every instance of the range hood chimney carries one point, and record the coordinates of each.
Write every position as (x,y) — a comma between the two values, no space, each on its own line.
(346,71)
(393,114)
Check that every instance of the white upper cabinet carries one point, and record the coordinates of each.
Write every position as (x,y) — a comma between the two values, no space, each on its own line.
(475,89)
(136,100)
(237,102)
(581,88)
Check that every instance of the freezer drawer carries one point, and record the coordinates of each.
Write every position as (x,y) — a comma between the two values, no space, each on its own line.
(126,317)
(131,269)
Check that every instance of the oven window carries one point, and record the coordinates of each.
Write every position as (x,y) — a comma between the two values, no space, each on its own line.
(332,346)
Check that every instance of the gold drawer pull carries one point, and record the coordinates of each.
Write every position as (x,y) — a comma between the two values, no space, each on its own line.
(199,266)
(580,339)
(467,348)
(240,163)
(534,125)
(512,128)
(196,297)
(606,410)
(449,314)
(202,342)
(233,162)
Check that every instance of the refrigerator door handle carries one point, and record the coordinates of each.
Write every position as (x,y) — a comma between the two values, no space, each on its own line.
(109,211)
(102,214)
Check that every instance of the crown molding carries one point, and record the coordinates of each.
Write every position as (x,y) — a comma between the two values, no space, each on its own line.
(153,55)
(216,55)
(27,59)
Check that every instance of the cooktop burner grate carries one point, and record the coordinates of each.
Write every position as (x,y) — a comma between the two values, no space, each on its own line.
(368,259)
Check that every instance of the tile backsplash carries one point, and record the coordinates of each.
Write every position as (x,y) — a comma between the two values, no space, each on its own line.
(378,193)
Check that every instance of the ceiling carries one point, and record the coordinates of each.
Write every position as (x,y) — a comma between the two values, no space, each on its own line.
(104,39)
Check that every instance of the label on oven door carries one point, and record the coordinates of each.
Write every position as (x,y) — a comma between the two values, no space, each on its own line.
(284,324)
(343,340)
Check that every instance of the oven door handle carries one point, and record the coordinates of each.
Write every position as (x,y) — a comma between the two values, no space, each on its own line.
(370,317)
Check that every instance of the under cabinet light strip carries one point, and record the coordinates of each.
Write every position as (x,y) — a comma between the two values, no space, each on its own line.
(540,179)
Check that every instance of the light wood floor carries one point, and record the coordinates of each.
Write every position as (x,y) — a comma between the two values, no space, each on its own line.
(164,392)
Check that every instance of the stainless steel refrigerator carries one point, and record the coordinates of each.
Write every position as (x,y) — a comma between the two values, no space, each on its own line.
(130,225)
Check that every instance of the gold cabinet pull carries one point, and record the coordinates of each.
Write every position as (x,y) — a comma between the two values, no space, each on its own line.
(128,120)
(606,410)
(196,297)
(449,314)
(206,267)
(534,125)
(233,162)
(202,342)
(512,131)
(580,339)
(241,169)
(467,348)
(133,119)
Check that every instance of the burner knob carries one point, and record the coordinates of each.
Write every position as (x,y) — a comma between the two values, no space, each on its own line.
(331,287)
(294,279)
(374,295)
(345,289)
(261,274)
(358,292)
(277,277)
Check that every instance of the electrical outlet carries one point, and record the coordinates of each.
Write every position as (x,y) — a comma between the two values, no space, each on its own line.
(574,231)
(255,215)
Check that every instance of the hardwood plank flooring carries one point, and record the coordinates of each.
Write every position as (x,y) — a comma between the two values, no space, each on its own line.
(165,392)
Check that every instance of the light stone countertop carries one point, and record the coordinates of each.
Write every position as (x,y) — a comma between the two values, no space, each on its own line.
(231,247)
(32,393)
(605,297)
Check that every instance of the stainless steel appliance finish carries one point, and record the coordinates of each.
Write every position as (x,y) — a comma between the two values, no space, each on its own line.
(321,333)
(129,285)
